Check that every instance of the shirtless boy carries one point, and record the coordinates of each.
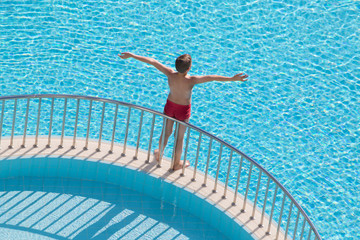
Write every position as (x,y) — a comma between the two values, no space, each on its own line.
(178,103)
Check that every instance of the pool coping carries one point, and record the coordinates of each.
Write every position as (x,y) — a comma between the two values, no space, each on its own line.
(243,219)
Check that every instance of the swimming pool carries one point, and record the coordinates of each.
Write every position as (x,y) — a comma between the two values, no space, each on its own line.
(224,204)
(298,112)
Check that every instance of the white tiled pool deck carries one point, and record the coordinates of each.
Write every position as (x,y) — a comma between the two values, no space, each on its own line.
(185,182)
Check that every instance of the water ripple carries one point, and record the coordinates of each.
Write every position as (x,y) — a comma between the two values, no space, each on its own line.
(299,111)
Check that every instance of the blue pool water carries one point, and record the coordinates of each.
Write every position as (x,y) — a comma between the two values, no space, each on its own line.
(298,115)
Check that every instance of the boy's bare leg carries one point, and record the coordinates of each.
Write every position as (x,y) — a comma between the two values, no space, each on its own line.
(179,147)
(168,131)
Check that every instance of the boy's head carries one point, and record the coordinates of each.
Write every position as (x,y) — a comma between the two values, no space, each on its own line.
(183,63)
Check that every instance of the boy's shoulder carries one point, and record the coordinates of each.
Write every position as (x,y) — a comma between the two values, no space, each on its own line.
(179,77)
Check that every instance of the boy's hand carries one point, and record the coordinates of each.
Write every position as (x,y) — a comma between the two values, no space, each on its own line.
(240,77)
(125,55)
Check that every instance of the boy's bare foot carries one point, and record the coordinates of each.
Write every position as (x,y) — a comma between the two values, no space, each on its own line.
(157,154)
(180,165)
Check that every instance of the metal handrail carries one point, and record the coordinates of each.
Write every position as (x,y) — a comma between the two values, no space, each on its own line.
(202,133)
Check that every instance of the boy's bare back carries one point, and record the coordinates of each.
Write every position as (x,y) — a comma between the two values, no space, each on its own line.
(180,88)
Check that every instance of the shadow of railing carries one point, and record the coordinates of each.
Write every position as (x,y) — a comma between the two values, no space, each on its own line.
(78,209)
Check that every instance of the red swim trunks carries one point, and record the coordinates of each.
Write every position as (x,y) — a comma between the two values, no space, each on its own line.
(177,111)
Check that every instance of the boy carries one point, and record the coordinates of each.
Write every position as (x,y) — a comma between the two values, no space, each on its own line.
(178,103)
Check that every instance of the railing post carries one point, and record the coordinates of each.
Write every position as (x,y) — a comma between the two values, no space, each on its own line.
(256,195)
(161,147)
(227,175)
(280,217)
(38,124)
(76,123)
(218,169)
(139,135)
(303,228)
(63,124)
(309,235)
(197,158)
(101,127)
(288,220)
(114,129)
(265,200)
(2,118)
(238,181)
(51,121)
(88,126)
(151,138)
(272,209)
(296,224)
(247,188)
(177,125)
(13,125)
(26,121)
(207,162)
(127,131)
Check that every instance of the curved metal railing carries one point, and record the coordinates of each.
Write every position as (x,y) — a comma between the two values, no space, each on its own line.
(99,118)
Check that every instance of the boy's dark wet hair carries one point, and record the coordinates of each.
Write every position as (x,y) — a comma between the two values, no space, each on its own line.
(183,63)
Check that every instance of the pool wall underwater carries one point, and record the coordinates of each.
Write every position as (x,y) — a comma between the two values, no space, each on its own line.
(124,176)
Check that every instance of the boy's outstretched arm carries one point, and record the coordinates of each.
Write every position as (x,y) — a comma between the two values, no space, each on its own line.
(203,79)
(162,68)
